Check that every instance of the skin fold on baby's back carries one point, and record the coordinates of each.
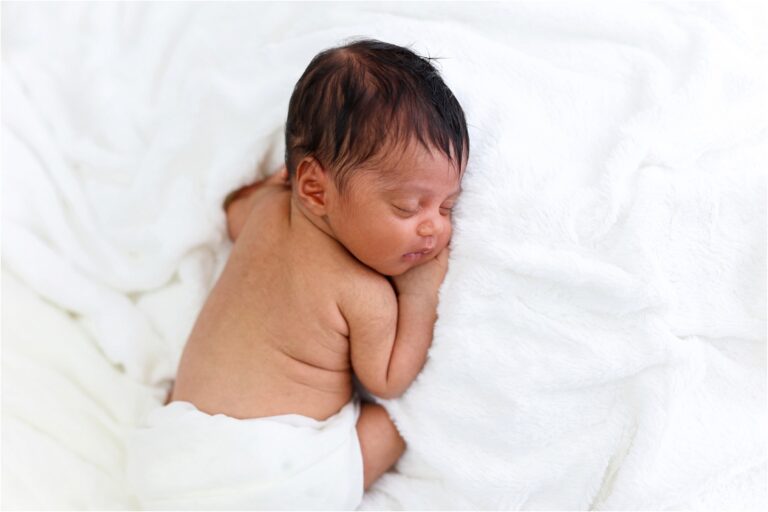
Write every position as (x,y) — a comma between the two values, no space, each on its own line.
(271,339)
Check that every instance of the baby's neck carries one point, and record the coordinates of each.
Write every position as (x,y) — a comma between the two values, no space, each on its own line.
(301,220)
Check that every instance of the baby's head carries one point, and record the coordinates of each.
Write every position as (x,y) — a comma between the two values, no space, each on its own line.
(376,146)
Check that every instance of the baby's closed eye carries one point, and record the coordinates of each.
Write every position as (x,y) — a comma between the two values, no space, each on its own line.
(406,209)
(412,210)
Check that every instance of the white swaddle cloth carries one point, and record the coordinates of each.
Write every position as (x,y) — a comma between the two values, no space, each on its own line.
(183,458)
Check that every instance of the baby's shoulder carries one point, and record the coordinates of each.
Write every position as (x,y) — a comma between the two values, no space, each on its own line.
(358,275)
(365,289)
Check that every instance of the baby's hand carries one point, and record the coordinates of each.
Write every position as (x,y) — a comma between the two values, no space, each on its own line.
(239,203)
(424,279)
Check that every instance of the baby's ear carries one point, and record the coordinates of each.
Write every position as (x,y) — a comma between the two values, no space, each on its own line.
(312,183)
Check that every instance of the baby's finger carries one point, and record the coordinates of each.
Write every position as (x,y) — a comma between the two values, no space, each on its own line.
(276,178)
(280,178)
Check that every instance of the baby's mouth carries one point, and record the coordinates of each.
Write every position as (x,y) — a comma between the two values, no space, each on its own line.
(415,256)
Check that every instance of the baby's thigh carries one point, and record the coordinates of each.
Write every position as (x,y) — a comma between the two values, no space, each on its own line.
(380,441)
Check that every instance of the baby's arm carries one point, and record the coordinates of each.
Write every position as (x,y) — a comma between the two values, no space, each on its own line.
(390,335)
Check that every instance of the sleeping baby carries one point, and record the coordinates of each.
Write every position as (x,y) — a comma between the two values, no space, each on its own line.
(335,269)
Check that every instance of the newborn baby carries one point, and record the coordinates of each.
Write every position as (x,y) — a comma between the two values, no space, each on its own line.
(335,269)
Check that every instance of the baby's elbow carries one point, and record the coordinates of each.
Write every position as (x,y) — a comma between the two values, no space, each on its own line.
(384,395)
(383,386)
(389,392)
(380,392)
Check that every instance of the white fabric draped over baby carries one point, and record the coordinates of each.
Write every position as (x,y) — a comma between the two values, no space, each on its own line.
(602,328)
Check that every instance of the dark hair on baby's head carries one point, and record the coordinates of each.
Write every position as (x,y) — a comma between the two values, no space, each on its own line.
(355,100)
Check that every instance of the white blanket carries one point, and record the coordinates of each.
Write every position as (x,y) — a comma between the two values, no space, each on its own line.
(181,458)
(602,331)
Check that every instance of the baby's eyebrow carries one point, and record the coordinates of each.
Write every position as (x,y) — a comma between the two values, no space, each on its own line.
(424,190)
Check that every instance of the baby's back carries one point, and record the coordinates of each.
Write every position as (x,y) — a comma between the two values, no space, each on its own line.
(270,339)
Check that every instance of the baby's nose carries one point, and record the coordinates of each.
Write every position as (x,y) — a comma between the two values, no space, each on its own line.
(427,229)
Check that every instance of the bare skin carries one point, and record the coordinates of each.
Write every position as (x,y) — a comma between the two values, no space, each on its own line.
(294,312)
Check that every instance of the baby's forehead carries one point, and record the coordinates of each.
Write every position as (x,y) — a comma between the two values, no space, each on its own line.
(420,182)
(418,159)
(414,169)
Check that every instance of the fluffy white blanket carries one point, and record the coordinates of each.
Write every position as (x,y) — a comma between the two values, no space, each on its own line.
(602,331)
